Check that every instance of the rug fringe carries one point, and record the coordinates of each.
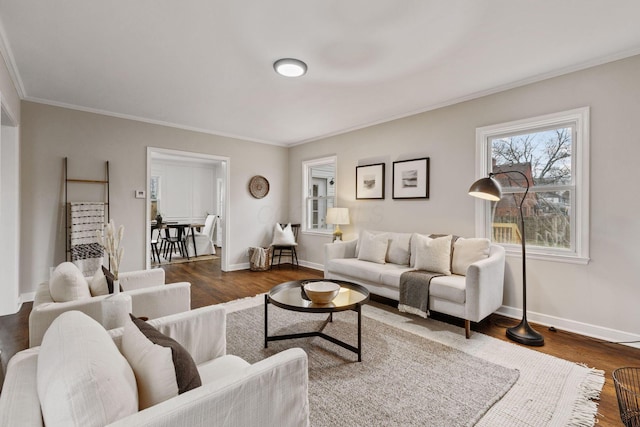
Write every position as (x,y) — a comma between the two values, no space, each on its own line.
(585,409)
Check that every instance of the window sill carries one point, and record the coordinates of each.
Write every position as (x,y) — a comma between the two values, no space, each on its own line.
(318,233)
(568,259)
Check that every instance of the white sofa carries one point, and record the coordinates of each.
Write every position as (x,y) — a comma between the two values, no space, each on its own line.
(472,296)
(150,297)
(271,392)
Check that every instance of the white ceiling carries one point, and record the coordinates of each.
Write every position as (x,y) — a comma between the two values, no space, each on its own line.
(207,64)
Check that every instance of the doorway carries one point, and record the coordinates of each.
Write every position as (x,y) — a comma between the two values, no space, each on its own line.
(185,186)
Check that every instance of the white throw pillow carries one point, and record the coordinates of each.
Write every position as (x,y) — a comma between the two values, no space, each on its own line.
(468,251)
(283,237)
(373,247)
(98,285)
(68,284)
(399,247)
(163,368)
(433,254)
(82,379)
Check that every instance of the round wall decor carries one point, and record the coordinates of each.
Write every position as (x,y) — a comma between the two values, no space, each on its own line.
(259,186)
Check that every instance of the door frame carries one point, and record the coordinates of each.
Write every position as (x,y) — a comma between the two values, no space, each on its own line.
(227,205)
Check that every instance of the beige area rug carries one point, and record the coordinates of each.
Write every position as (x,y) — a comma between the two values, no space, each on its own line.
(419,372)
(177,259)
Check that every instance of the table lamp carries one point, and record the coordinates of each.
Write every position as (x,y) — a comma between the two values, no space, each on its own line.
(337,217)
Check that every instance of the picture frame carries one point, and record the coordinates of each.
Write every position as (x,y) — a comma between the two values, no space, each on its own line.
(411,179)
(370,182)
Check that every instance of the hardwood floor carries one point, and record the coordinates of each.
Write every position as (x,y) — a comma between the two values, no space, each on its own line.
(209,286)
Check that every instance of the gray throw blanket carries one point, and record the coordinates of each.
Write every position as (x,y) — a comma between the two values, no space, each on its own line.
(414,292)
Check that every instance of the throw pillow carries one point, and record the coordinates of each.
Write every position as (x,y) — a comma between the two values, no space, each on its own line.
(433,254)
(468,251)
(68,284)
(399,246)
(373,247)
(283,236)
(82,379)
(163,368)
(98,285)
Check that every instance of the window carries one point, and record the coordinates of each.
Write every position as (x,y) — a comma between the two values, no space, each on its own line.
(319,193)
(552,153)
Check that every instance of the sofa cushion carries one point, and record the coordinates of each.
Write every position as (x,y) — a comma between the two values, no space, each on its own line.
(367,271)
(399,248)
(163,368)
(82,378)
(433,254)
(221,367)
(68,284)
(373,247)
(451,288)
(468,251)
(391,276)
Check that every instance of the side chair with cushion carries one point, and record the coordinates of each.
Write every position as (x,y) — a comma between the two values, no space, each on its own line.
(69,290)
(285,242)
(204,240)
(170,371)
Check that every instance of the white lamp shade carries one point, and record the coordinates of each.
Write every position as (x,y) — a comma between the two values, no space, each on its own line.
(338,216)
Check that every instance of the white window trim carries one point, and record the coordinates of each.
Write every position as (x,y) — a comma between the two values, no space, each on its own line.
(305,187)
(579,116)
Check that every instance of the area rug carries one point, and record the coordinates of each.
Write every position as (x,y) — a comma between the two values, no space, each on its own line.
(420,372)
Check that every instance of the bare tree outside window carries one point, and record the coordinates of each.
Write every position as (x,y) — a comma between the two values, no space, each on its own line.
(545,158)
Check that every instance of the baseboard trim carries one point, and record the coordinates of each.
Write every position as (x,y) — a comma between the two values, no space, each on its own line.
(26,297)
(311,265)
(586,329)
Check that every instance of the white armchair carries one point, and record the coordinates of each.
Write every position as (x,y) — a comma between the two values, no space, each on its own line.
(150,297)
(271,392)
(204,239)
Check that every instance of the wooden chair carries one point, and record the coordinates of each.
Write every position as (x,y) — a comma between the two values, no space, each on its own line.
(287,250)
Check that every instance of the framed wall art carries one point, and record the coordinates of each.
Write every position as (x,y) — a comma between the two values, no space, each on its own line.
(411,179)
(370,181)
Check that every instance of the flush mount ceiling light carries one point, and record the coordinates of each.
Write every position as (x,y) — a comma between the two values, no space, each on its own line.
(290,67)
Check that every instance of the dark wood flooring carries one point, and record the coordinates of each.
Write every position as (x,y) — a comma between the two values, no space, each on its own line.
(209,285)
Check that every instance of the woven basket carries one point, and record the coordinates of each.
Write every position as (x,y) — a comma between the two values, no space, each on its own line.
(627,383)
(255,267)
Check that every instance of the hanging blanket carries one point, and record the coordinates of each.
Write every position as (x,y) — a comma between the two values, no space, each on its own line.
(86,218)
(414,292)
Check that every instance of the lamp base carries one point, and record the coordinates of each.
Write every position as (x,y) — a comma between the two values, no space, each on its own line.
(337,234)
(525,334)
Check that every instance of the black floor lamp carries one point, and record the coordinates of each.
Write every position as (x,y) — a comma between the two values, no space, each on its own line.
(489,189)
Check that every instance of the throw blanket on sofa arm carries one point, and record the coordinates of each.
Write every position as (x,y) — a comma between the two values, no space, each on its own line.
(414,292)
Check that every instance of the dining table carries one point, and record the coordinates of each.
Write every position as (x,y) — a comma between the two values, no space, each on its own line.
(182,227)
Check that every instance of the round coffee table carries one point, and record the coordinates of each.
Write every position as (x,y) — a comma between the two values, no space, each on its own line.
(291,296)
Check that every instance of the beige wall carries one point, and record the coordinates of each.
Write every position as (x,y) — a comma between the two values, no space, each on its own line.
(589,298)
(51,133)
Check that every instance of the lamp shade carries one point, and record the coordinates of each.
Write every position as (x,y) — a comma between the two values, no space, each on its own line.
(338,216)
(486,188)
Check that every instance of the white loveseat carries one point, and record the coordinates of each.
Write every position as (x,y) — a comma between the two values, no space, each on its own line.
(150,297)
(271,392)
(471,296)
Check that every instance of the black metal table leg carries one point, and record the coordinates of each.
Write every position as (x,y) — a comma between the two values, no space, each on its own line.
(266,302)
(359,310)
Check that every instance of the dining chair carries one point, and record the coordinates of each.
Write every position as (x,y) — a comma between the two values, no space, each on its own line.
(285,242)
(155,248)
(204,240)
